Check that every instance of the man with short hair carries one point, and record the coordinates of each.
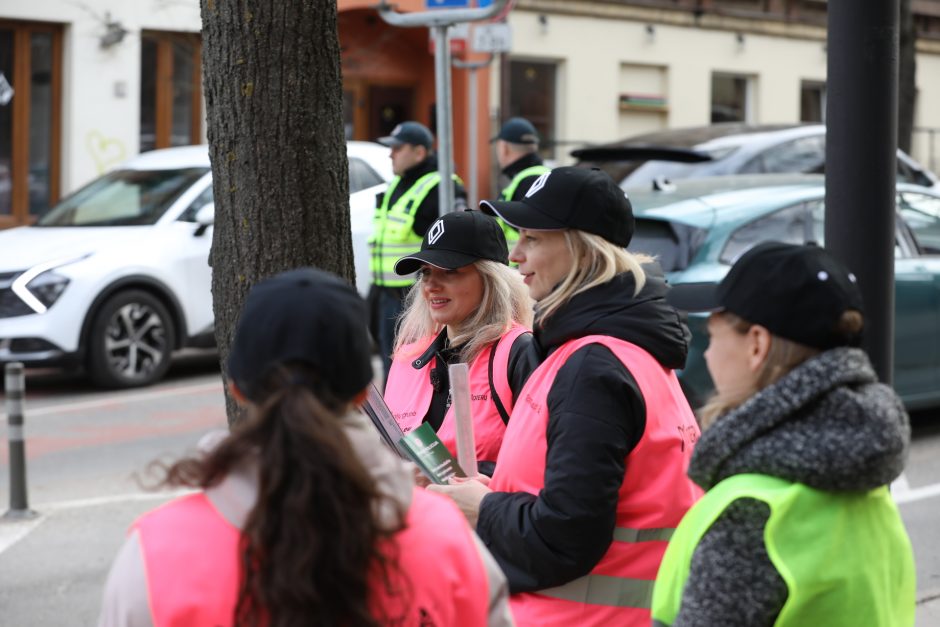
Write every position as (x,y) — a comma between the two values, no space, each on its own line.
(403,214)
(517,147)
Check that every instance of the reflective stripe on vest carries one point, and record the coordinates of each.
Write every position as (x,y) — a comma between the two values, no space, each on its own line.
(392,234)
(192,563)
(653,497)
(845,556)
(408,394)
(512,235)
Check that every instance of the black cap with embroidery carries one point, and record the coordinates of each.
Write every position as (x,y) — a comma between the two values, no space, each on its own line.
(796,292)
(518,131)
(307,316)
(458,239)
(585,199)
(412,133)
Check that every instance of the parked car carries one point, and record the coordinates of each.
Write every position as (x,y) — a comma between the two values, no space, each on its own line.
(116,276)
(722,149)
(699,227)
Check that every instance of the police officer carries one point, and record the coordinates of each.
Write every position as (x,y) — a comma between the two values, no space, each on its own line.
(402,216)
(517,147)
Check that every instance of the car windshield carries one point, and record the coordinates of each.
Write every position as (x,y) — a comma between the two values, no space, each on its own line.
(673,244)
(123,198)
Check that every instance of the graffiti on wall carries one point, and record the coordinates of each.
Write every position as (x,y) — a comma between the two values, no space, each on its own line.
(105,151)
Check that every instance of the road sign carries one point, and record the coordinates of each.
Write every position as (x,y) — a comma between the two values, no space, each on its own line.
(447,4)
(493,38)
(458,36)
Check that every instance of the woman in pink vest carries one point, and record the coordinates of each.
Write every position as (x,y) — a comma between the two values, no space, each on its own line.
(467,306)
(302,516)
(590,482)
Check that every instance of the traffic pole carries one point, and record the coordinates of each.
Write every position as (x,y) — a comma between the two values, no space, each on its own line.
(15,386)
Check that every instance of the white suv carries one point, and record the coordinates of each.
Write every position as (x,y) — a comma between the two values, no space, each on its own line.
(116,276)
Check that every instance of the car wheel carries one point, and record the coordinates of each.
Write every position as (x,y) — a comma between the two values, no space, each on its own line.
(130,341)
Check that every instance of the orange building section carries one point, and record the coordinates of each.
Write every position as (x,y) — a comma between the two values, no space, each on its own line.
(388,77)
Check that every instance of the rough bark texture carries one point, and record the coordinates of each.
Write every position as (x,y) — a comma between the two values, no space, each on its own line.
(274,106)
(907,70)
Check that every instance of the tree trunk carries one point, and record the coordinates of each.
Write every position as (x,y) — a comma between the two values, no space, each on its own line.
(274,109)
(907,70)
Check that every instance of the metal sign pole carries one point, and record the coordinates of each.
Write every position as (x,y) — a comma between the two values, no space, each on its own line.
(445,125)
(472,126)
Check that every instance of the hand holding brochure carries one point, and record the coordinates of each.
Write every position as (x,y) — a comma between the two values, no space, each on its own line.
(429,453)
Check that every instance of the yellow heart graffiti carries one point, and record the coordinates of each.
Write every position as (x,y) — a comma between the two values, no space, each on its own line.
(105,151)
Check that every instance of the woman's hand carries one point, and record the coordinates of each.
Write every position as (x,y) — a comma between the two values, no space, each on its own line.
(421,479)
(466,493)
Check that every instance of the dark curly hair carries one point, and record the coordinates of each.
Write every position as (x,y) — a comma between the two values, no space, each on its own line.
(311,545)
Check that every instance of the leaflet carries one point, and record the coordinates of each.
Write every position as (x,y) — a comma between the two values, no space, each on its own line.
(431,456)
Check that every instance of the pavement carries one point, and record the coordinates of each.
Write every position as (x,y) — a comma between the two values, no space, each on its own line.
(53,566)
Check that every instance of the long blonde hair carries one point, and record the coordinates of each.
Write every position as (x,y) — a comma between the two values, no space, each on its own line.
(596,261)
(505,301)
(783,356)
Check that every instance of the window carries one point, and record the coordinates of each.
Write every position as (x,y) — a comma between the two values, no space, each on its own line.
(361,175)
(673,244)
(798,224)
(731,97)
(170,90)
(812,101)
(201,201)
(806,154)
(922,214)
(532,96)
(30,94)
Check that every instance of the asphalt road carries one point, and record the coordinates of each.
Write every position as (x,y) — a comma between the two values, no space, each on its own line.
(88,453)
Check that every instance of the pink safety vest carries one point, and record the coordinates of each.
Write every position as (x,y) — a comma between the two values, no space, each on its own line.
(653,497)
(408,394)
(191,558)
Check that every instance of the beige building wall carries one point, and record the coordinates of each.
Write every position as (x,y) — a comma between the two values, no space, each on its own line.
(612,52)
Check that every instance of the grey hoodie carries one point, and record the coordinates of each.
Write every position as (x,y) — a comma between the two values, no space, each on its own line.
(827,424)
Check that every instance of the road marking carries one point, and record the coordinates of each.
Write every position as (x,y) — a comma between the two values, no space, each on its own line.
(115,401)
(13,531)
(901,485)
(912,495)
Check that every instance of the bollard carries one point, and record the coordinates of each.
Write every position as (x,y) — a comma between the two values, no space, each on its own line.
(15,393)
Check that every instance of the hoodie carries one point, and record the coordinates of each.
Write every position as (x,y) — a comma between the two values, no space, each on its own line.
(596,416)
(828,424)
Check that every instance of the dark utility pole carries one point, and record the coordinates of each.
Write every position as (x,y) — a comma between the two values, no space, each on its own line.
(861,159)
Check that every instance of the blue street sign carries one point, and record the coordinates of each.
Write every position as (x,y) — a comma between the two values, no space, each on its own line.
(447,4)
(484,3)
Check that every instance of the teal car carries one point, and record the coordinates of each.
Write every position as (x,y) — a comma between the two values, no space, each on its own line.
(697,228)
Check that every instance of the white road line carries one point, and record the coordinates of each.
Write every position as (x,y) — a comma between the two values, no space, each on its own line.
(912,495)
(118,400)
(901,485)
(12,532)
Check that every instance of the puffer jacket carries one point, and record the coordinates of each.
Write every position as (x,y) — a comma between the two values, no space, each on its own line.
(828,424)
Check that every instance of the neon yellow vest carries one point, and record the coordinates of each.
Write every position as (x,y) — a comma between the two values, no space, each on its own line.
(845,556)
(512,235)
(392,235)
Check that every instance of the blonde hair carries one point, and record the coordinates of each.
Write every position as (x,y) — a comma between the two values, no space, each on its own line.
(505,301)
(596,261)
(783,356)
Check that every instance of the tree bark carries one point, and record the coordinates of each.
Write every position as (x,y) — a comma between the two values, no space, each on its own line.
(273,93)
(907,70)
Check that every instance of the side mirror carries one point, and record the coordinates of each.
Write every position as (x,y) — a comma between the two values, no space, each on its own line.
(205,218)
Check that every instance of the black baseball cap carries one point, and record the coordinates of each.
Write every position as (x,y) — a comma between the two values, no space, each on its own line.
(797,292)
(307,316)
(456,240)
(412,133)
(586,199)
(518,131)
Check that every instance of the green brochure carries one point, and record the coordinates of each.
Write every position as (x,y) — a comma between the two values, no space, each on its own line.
(429,453)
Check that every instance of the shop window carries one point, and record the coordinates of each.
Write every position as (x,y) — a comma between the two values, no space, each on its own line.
(532,95)
(170,90)
(812,101)
(731,98)
(30,92)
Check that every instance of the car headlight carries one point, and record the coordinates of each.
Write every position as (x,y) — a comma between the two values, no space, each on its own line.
(40,287)
(47,287)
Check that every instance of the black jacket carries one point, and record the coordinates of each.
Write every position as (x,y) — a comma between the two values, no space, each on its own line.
(518,166)
(596,415)
(429,211)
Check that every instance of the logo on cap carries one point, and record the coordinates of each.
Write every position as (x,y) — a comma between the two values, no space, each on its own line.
(396,130)
(435,232)
(537,185)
